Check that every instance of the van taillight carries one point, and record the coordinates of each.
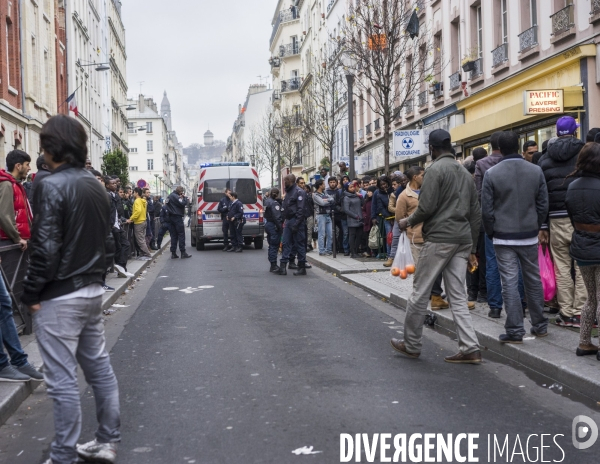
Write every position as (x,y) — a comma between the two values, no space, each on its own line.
(260,217)
(199,217)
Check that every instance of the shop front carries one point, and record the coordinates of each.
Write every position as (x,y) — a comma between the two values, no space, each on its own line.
(508,106)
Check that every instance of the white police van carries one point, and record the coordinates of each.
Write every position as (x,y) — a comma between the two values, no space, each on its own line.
(206,224)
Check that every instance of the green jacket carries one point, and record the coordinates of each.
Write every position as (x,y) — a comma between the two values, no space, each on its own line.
(448,204)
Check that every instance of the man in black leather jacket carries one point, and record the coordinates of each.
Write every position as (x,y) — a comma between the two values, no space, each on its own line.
(71,247)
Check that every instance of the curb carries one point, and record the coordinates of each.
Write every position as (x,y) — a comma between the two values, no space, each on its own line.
(19,392)
(534,358)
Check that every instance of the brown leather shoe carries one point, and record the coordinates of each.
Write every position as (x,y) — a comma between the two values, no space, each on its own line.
(399,346)
(460,358)
(389,262)
(471,305)
(437,303)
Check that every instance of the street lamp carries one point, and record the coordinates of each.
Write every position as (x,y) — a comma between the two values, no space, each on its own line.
(348,64)
(277,133)
(156,183)
(99,66)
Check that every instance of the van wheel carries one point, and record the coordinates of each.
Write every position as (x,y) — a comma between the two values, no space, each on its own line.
(258,243)
(199,244)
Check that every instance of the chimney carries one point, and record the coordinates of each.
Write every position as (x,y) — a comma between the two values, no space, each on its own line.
(141,103)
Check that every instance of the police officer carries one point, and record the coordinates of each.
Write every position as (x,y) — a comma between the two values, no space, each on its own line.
(223,208)
(308,212)
(294,232)
(274,226)
(176,204)
(165,225)
(235,216)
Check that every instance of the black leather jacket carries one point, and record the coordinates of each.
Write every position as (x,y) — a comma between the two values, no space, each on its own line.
(71,241)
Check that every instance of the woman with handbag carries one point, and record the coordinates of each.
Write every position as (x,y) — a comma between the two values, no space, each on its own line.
(583,206)
(366,209)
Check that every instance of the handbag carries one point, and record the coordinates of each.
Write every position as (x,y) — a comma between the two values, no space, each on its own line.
(374,238)
(547,273)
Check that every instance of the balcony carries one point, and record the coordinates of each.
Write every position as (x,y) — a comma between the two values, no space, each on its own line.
(409,108)
(275,62)
(361,134)
(422,98)
(330,5)
(595,11)
(455,81)
(477,69)
(500,55)
(528,39)
(377,124)
(562,22)
(368,130)
(285,16)
(276,97)
(291,85)
(289,50)
(294,120)
(341,100)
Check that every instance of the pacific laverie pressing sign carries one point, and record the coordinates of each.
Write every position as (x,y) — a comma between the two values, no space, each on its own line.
(408,143)
(543,101)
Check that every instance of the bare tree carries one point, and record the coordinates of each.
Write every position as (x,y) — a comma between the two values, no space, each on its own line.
(267,154)
(288,130)
(323,96)
(391,66)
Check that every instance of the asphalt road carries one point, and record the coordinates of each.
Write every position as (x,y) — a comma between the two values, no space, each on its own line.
(256,366)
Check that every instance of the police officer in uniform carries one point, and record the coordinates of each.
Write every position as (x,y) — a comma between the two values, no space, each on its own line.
(236,223)
(176,204)
(223,208)
(294,232)
(274,226)
(165,225)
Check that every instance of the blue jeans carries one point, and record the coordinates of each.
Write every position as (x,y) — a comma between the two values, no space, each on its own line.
(492,278)
(325,233)
(389,226)
(346,242)
(8,332)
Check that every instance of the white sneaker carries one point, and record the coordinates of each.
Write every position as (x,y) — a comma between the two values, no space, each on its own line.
(103,453)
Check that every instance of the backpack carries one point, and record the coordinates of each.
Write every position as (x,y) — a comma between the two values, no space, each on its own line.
(374,238)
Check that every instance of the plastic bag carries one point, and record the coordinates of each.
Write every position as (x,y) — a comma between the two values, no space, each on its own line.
(403,260)
(547,273)
(374,238)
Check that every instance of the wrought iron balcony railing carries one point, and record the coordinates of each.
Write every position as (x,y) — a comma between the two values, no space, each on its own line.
(595,7)
(455,80)
(478,68)
(377,124)
(361,134)
(276,96)
(368,129)
(528,39)
(275,62)
(500,55)
(291,85)
(409,107)
(422,98)
(289,50)
(285,16)
(563,20)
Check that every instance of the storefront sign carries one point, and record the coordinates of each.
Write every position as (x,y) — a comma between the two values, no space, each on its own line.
(543,101)
(408,143)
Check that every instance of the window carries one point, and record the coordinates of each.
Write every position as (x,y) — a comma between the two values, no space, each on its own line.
(533,12)
(148,128)
(149,145)
(133,168)
(150,165)
(479,33)
(133,150)
(214,190)
(504,13)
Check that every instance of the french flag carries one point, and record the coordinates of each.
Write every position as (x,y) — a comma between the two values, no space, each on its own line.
(72,101)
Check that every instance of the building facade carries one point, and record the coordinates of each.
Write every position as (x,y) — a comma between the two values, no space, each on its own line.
(118,77)
(492,51)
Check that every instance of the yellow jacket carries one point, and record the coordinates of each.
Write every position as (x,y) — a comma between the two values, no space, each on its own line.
(139,211)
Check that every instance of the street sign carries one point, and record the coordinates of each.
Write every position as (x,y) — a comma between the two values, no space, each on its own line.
(142,183)
(543,102)
(408,143)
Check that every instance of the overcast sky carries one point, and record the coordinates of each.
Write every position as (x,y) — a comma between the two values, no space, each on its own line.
(205,54)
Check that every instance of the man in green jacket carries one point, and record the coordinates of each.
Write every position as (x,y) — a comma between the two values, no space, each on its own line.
(450,213)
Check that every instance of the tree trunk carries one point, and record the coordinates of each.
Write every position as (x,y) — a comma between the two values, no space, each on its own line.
(386,145)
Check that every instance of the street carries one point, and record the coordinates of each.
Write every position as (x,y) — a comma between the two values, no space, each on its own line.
(222,362)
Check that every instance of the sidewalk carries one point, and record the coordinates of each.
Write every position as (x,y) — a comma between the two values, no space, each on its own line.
(13,394)
(553,356)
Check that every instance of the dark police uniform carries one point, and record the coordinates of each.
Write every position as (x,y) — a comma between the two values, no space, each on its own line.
(223,208)
(294,232)
(274,227)
(165,225)
(176,207)
(236,212)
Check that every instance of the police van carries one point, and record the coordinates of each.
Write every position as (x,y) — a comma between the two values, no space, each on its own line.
(214,178)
